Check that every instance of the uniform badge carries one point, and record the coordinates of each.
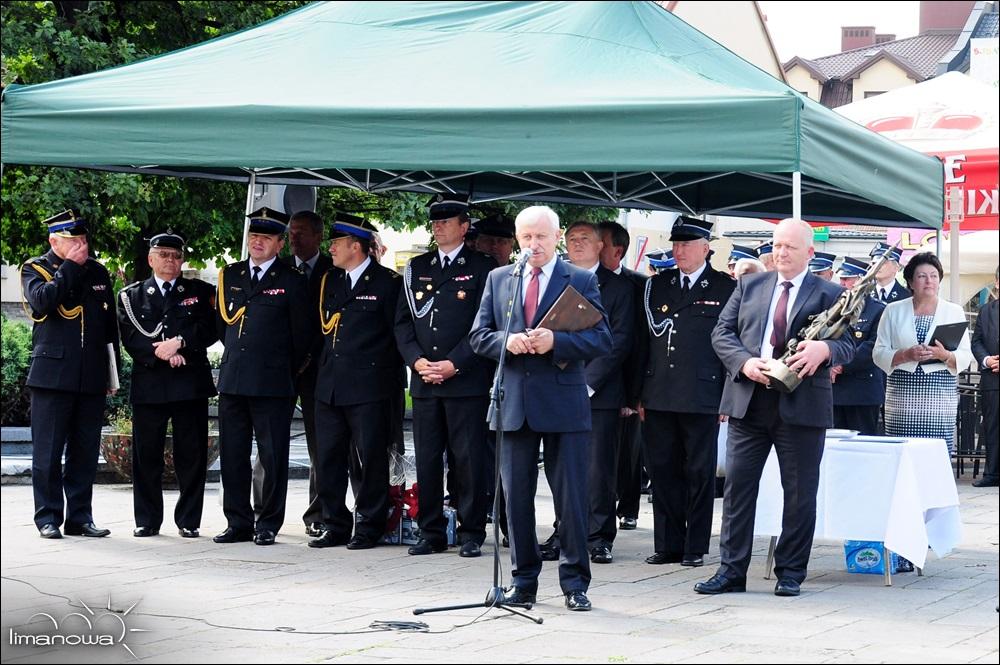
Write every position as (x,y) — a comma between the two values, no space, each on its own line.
(180,288)
(858,334)
(434,261)
(664,309)
(461,295)
(150,290)
(460,260)
(105,306)
(704,283)
(673,280)
(419,295)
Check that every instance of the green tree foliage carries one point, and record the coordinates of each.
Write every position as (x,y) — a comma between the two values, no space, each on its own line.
(15,354)
(44,41)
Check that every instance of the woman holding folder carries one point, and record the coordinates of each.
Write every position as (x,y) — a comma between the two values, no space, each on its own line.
(922,355)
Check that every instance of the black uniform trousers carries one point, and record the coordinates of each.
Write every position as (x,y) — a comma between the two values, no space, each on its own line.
(602,525)
(307,401)
(190,442)
(567,455)
(69,422)
(861,418)
(456,425)
(799,450)
(989,403)
(240,419)
(681,450)
(354,440)
(630,465)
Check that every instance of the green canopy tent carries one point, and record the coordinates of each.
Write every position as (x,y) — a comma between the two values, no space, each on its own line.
(605,103)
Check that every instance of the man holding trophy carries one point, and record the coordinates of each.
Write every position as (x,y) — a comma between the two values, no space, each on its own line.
(777,398)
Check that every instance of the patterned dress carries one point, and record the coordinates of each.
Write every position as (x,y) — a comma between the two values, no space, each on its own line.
(922,403)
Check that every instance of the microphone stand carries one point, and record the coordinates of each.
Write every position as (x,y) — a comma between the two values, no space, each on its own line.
(496,597)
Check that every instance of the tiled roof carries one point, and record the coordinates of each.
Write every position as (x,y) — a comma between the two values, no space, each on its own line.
(921,53)
(988,26)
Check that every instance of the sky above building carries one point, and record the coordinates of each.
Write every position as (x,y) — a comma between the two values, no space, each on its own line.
(812,29)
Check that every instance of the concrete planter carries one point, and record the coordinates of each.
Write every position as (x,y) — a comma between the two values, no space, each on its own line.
(116,449)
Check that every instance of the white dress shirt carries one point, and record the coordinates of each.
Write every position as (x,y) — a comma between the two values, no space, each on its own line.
(693,277)
(543,278)
(263,266)
(161,282)
(299,263)
(355,275)
(766,348)
(452,255)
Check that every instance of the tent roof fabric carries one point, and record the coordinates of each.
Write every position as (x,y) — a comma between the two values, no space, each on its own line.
(606,103)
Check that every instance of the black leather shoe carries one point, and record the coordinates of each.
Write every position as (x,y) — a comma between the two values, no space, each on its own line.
(549,552)
(660,558)
(505,542)
(786,586)
(470,549)
(145,531)
(88,529)
(188,533)
(264,537)
(425,546)
(693,560)
(601,554)
(522,598)
(628,524)
(577,601)
(984,482)
(231,535)
(50,531)
(329,539)
(720,584)
(315,529)
(359,542)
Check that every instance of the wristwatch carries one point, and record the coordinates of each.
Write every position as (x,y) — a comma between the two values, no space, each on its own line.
(183,343)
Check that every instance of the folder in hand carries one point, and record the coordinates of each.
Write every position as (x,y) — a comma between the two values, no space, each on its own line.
(570,312)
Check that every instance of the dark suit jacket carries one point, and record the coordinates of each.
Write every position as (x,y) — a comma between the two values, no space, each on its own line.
(862,383)
(443,332)
(687,376)
(360,362)
(633,367)
(306,381)
(536,390)
(605,374)
(70,354)
(985,340)
(266,347)
(740,333)
(188,311)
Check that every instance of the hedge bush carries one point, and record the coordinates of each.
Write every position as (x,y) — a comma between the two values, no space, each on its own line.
(16,358)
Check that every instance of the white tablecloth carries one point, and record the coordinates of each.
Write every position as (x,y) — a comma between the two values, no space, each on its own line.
(900,493)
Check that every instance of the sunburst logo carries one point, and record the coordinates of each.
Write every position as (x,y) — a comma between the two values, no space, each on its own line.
(105,628)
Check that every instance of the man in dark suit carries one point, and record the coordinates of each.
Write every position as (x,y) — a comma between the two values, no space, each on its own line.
(615,241)
(859,386)
(765,311)
(495,236)
(305,233)
(540,397)
(606,386)
(681,394)
(167,323)
(985,341)
(358,376)
(264,325)
(71,302)
(887,287)
(449,383)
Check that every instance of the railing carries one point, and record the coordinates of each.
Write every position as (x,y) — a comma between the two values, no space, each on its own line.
(969,439)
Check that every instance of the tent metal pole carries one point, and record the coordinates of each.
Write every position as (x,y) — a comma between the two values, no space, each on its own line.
(938,241)
(955,287)
(797,194)
(249,209)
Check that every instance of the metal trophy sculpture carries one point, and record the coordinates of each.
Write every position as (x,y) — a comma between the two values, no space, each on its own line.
(830,324)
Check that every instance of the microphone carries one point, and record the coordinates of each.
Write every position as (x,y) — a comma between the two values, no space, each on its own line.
(522,259)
